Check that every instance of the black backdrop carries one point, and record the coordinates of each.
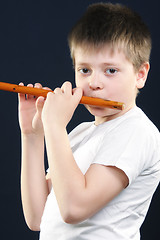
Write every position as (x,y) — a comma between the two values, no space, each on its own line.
(33,48)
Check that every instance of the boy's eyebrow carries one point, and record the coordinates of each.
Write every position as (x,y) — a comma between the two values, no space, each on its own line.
(82,64)
(104,64)
(111,64)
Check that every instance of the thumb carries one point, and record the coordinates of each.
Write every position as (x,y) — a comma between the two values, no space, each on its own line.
(77,93)
(39,104)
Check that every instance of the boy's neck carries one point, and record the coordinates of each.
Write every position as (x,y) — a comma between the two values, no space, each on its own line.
(100,120)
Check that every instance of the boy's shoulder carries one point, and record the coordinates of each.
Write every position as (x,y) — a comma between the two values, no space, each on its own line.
(143,121)
(136,122)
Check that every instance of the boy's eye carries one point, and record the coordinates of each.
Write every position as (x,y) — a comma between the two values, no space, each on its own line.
(111,71)
(84,70)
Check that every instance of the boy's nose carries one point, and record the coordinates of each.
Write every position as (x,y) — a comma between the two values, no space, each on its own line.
(95,84)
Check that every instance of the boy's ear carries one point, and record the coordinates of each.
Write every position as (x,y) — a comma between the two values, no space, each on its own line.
(142,75)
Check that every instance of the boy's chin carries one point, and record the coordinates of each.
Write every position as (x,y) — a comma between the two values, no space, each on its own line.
(102,112)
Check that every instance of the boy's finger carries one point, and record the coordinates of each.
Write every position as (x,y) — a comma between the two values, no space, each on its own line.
(47,88)
(28,96)
(21,96)
(77,93)
(40,103)
(38,85)
(67,87)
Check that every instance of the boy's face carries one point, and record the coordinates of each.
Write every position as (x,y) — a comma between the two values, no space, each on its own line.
(107,74)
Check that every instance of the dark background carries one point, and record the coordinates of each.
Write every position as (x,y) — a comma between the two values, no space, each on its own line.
(33,48)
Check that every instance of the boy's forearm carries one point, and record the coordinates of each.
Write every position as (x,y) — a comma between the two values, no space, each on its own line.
(67,179)
(33,182)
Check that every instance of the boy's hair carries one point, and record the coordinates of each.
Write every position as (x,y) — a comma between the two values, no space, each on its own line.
(114,24)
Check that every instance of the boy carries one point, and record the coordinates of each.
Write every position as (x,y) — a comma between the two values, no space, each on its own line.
(103,175)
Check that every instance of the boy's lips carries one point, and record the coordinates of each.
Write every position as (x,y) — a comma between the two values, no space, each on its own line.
(93,106)
(96,96)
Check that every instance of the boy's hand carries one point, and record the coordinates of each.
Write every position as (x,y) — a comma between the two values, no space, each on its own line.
(30,109)
(60,105)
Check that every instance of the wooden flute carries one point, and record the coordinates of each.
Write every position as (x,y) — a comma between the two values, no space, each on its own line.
(43,92)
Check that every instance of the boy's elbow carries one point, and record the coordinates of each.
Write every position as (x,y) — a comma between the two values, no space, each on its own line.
(70,219)
(73,215)
(34,228)
(33,225)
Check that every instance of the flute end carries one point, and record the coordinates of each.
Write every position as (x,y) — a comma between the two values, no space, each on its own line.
(119,106)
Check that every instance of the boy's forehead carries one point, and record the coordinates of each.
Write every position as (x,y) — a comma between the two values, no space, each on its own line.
(85,52)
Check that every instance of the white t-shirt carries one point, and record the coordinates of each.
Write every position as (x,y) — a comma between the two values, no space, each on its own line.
(130,142)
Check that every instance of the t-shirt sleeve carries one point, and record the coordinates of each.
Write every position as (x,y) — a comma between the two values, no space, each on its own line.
(125,148)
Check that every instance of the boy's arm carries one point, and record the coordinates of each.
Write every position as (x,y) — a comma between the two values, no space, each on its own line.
(34,188)
(78,196)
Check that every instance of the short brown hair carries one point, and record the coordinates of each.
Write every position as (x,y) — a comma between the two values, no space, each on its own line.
(115,24)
